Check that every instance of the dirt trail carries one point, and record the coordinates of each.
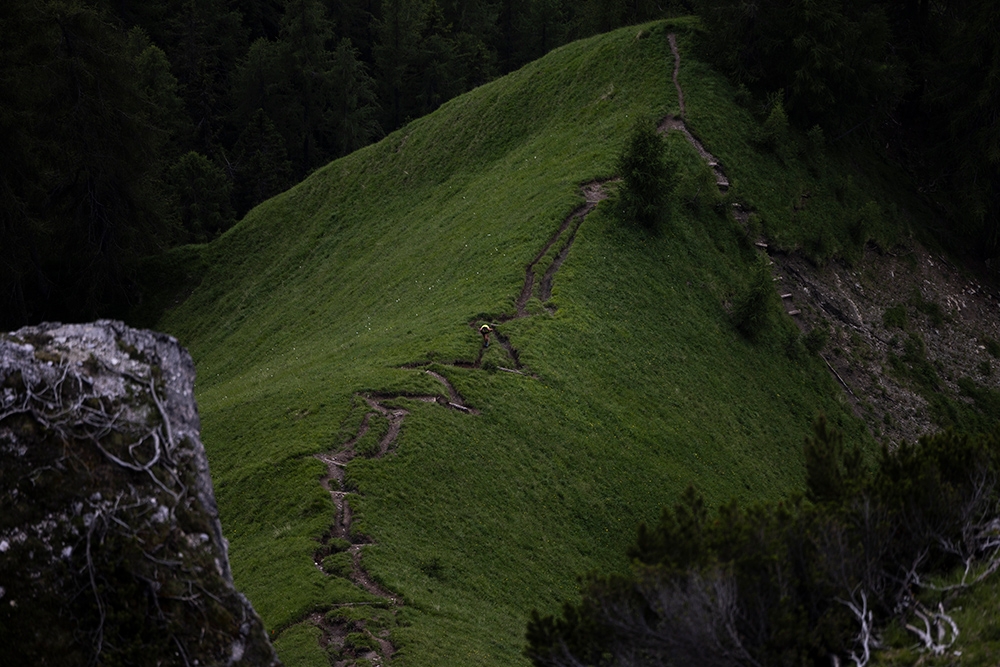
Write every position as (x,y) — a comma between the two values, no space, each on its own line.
(672,38)
(340,538)
(740,213)
(382,406)
(677,122)
(593,193)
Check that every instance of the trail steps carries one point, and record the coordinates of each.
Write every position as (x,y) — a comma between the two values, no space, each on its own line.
(677,123)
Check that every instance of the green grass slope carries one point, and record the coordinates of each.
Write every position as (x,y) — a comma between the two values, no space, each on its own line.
(641,384)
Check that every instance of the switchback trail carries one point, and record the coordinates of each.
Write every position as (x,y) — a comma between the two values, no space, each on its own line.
(341,539)
(563,238)
(340,547)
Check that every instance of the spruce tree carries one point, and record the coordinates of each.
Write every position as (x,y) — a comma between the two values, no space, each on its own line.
(260,163)
(75,182)
(647,177)
(201,192)
(355,105)
(396,54)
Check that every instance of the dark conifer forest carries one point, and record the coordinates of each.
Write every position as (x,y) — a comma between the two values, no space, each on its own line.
(130,127)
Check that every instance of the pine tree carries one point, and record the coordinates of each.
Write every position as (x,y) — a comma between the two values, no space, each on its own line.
(964,94)
(204,41)
(647,178)
(75,181)
(201,192)
(163,104)
(261,165)
(396,54)
(355,105)
(258,82)
(831,470)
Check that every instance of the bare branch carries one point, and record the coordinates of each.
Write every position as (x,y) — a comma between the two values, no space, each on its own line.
(936,627)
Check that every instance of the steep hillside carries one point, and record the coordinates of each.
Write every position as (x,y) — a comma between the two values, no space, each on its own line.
(388,486)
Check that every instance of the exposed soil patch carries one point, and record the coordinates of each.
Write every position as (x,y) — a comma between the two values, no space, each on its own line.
(887,313)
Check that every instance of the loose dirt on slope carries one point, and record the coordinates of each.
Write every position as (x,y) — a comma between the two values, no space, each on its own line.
(954,315)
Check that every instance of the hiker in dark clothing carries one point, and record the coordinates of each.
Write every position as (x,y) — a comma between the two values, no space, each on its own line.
(485,331)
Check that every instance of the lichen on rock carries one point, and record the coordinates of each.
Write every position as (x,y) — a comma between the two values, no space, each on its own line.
(111,549)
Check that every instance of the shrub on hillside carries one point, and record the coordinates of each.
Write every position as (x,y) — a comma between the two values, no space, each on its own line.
(775,134)
(754,305)
(816,339)
(647,177)
(894,316)
(865,226)
(200,191)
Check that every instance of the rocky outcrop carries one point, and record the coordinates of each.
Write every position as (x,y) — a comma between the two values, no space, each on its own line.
(111,550)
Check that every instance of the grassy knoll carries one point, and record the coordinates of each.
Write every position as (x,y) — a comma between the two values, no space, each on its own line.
(382,258)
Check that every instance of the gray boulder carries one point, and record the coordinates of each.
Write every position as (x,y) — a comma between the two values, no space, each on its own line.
(111,550)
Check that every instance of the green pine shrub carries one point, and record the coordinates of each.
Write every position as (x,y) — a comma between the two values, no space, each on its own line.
(931,309)
(775,132)
(647,177)
(894,316)
(816,339)
(754,305)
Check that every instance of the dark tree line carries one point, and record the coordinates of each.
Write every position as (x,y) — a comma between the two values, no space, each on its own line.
(812,580)
(131,126)
(916,76)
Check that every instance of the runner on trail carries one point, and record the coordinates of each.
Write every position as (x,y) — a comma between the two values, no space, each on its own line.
(485,330)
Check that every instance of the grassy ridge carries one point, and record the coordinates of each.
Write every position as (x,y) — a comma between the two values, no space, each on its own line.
(383,257)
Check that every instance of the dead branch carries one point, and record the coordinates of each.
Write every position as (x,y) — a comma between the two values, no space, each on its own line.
(935,630)
(866,638)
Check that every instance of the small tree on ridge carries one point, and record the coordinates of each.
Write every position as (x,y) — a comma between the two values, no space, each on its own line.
(647,176)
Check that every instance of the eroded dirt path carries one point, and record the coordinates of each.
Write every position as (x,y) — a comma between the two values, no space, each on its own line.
(563,238)
(340,551)
(849,301)
(677,122)
(341,546)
